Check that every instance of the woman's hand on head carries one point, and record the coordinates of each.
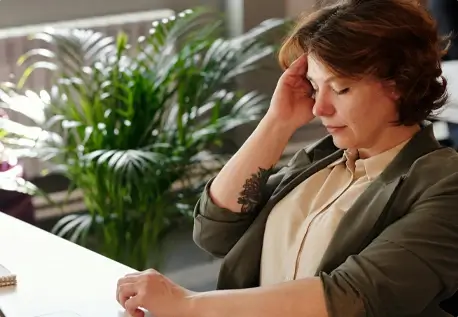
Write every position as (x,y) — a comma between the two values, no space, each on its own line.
(292,101)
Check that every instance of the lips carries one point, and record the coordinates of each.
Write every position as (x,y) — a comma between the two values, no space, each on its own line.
(333,129)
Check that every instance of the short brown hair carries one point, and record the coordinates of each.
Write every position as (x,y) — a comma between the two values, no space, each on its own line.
(392,40)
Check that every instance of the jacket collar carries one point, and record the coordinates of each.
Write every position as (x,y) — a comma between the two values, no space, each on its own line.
(421,143)
(372,205)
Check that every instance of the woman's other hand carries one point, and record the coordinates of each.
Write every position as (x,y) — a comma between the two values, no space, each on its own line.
(154,292)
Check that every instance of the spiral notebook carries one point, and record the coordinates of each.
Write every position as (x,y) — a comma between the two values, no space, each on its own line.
(6,277)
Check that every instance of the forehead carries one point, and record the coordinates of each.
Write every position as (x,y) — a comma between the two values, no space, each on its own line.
(316,70)
(319,73)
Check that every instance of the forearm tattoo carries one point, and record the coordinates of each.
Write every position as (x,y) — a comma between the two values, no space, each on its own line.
(253,189)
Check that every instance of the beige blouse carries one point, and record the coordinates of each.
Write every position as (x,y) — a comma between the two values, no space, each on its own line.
(301,225)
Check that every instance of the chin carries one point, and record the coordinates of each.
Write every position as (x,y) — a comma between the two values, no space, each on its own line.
(342,142)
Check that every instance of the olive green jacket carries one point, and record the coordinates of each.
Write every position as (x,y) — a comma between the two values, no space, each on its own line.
(395,252)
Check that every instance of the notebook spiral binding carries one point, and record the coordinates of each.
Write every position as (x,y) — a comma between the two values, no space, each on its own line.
(9,280)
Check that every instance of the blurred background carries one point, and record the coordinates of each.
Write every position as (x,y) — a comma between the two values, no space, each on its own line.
(114,115)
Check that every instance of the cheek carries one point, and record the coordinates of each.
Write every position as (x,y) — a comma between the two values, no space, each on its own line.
(362,121)
(366,111)
(355,112)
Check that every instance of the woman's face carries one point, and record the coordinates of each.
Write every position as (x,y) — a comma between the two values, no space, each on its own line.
(356,113)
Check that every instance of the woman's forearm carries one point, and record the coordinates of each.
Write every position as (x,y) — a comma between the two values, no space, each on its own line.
(262,150)
(301,298)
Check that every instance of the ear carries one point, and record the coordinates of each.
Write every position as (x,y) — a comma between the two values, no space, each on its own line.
(391,91)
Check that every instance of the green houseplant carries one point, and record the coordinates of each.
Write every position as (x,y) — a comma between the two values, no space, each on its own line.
(131,122)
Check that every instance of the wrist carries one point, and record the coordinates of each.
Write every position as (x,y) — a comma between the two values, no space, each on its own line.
(199,305)
(278,128)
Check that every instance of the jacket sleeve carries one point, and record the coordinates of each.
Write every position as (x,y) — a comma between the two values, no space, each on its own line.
(216,230)
(410,265)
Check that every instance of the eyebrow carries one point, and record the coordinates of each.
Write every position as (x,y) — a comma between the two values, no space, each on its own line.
(331,78)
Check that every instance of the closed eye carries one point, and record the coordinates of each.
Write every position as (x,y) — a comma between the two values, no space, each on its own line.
(343,91)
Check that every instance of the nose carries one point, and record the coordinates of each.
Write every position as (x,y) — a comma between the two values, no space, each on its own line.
(323,107)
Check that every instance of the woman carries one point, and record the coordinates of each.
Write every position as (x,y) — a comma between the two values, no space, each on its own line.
(363,223)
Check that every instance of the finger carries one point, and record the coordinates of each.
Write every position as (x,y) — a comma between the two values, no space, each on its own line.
(128,279)
(132,306)
(133,274)
(299,66)
(151,272)
(136,313)
(126,291)
(298,83)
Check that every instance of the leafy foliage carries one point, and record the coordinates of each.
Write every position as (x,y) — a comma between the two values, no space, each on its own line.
(131,124)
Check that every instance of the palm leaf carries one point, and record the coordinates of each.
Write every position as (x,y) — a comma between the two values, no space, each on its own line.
(17,184)
(29,104)
(74,50)
(74,226)
(29,132)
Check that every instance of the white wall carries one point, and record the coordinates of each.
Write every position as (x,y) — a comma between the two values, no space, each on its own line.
(24,12)
(296,7)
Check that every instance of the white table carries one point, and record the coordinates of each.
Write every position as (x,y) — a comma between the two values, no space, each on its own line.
(55,275)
